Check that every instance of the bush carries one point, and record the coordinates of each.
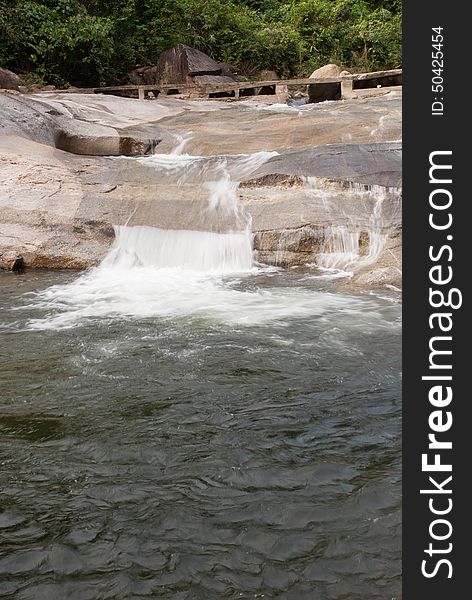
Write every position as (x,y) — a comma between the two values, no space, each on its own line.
(94,42)
(58,41)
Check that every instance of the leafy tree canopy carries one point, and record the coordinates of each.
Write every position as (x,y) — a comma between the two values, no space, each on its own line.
(93,42)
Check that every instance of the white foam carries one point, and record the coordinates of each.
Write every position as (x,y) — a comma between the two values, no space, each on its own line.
(185,167)
(118,291)
(199,251)
(167,274)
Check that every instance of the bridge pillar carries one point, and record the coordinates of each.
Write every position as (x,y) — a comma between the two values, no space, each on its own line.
(281,92)
(347,89)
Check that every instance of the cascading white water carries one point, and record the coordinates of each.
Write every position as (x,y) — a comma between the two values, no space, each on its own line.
(182,141)
(340,250)
(359,236)
(152,272)
(226,245)
(188,250)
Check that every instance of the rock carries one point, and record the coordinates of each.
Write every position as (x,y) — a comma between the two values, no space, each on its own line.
(330,70)
(136,76)
(368,164)
(58,209)
(181,63)
(212,79)
(36,88)
(288,247)
(297,94)
(11,261)
(9,80)
(228,70)
(144,75)
(378,277)
(60,122)
(151,76)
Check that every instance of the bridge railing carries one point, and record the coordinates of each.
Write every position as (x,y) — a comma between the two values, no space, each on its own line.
(348,83)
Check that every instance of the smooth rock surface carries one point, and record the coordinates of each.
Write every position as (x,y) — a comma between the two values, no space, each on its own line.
(58,209)
(84,125)
(330,70)
(371,164)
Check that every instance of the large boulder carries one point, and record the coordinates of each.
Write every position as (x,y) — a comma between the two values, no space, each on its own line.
(330,70)
(67,123)
(182,63)
(9,80)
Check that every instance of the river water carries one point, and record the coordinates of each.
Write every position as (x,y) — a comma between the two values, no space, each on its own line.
(246,448)
(184,423)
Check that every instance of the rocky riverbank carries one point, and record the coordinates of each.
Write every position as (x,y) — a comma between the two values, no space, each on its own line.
(63,187)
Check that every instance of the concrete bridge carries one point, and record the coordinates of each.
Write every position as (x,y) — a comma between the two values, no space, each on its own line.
(329,88)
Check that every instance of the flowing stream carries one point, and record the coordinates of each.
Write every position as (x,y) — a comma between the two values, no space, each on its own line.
(182,422)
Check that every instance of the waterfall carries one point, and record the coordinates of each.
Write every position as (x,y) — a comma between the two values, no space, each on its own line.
(340,249)
(346,249)
(214,234)
(206,251)
(359,222)
(184,267)
(182,141)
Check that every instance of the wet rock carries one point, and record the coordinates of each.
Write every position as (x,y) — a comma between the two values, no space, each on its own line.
(378,277)
(11,261)
(369,164)
(271,180)
(288,247)
(58,209)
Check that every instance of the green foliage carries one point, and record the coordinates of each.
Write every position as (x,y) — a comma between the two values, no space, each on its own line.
(350,32)
(56,40)
(91,42)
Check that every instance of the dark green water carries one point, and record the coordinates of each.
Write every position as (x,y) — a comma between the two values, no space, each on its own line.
(151,453)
